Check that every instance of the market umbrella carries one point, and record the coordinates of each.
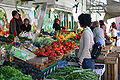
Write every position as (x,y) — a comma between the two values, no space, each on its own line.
(112,9)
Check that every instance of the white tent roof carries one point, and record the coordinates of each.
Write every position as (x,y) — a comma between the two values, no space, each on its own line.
(62,4)
(112,9)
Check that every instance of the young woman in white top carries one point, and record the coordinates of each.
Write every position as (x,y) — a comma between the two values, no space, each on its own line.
(86,42)
(114,32)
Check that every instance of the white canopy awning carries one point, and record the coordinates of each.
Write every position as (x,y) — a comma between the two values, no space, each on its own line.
(112,9)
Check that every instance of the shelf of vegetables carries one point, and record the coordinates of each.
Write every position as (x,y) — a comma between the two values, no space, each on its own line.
(10,73)
(53,49)
(72,73)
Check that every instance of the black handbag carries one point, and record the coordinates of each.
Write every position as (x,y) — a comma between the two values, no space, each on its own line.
(96,50)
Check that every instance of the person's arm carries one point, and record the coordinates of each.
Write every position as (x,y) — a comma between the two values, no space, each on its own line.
(86,45)
(10,28)
(94,33)
(29,28)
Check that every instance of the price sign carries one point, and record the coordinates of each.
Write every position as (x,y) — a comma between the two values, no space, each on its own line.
(62,64)
(19,53)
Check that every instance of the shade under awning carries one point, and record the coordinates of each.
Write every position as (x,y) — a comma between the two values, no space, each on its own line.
(112,9)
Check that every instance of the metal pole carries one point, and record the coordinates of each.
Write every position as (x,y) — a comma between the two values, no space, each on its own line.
(42,15)
(16,4)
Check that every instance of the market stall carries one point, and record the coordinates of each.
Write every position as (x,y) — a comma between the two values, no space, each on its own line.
(43,53)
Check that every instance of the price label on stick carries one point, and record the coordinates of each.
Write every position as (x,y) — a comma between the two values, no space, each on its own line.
(19,54)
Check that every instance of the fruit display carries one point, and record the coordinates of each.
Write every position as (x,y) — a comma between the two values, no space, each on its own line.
(66,36)
(40,42)
(10,73)
(26,69)
(73,41)
(77,37)
(72,73)
(56,49)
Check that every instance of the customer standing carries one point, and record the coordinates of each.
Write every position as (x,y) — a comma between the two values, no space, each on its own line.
(102,25)
(114,32)
(86,42)
(98,33)
(15,24)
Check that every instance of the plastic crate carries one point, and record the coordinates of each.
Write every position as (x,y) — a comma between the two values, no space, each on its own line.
(50,69)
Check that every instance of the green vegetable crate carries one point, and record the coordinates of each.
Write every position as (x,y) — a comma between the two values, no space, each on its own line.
(50,69)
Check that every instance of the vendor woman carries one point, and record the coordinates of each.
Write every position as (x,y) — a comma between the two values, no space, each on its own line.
(56,25)
(86,42)
(26,26)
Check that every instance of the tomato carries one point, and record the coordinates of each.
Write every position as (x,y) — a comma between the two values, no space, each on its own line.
(64,48)
(60,54)
(50,47)
(50,56)
(53,54)
(47,53)
(71,46)
(44,55)
(68,48)
(46,47)
(52,51)
(61,51)
(66,52)
(55,46)
(57,52)
(42,52)
(43,49)
(59,42)
(71,43)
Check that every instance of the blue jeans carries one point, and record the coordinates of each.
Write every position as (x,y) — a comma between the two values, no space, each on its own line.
(88,63)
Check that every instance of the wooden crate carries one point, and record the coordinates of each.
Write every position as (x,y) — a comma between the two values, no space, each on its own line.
(105,52)
(101,57)
(111,71)
(113,54)
(111,60)
(106,48)
(119,64)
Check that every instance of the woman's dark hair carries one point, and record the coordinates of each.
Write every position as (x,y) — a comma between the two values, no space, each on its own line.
(85,20)
(114,25)
(26,20)
(14,12)
(101,23)
(56,20)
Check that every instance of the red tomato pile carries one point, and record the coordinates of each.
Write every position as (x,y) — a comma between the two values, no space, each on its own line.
(57,49)
(78,36)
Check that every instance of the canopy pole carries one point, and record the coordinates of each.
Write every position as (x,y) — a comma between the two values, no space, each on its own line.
(42,15)
(16,4)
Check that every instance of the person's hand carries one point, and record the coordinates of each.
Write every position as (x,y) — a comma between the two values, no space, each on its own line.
(21,31)
(77,50)
(80,63)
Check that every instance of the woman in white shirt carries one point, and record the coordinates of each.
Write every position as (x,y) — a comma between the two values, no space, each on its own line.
(114,32)
(86,42)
